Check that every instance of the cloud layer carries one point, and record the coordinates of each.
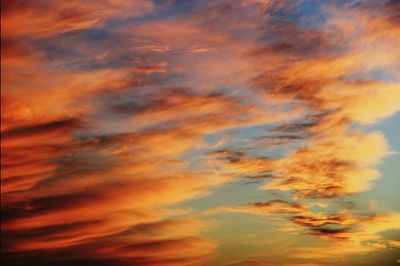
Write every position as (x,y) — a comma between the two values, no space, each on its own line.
(114,113)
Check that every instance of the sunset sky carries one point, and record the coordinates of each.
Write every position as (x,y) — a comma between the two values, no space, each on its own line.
(200,132)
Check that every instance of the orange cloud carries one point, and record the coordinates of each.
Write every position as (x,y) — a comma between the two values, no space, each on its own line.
(331,166)
(98,142)
(263,208)
(55,17)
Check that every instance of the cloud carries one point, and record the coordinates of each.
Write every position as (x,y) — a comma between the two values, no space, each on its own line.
(333,160)
(360,233)
(108,107)
(39,129)
(151,69)
(264,208)
(55,212)
(241,163)
(332,166)
(55,17)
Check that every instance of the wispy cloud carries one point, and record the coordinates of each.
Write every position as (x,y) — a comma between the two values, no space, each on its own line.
(109,110)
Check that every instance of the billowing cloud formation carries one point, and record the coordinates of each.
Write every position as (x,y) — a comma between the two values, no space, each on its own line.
(116,112)
(332,166)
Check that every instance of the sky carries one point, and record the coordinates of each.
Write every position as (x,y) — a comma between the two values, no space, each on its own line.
(215,132)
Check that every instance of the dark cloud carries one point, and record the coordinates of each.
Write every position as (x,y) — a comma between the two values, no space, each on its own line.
(54,126)
(331,232)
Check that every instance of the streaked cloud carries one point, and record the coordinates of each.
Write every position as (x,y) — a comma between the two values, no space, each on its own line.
(116,114)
